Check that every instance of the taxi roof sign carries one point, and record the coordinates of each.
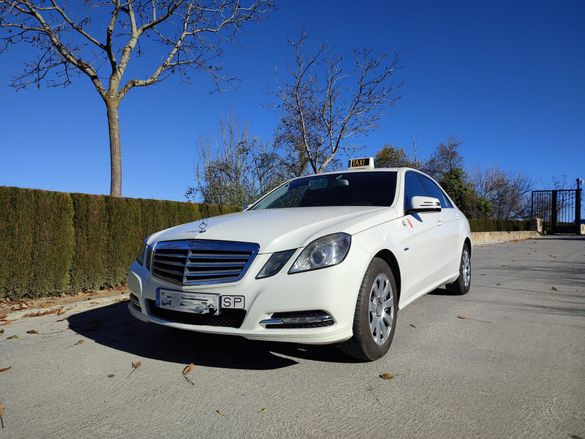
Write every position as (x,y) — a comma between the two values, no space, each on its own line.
(363,163)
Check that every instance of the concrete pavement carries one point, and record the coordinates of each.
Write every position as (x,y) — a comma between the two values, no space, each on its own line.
(506,360)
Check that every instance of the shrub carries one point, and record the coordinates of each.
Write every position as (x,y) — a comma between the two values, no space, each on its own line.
(53,242)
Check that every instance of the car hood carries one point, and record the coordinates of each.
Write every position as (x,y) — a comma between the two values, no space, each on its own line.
(281,229)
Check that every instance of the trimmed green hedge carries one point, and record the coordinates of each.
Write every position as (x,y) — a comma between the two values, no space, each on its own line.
(483,225)
(54,243)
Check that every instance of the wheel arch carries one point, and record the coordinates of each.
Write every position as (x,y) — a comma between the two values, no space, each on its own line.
(467,243)
(392,262)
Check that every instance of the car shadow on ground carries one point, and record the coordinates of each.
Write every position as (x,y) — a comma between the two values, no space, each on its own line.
(114,327)
(442,292)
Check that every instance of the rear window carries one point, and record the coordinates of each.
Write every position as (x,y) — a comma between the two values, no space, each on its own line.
(344,189)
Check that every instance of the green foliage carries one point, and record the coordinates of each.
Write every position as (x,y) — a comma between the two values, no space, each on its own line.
(36,242)
(89,265)
(54,243)
(488,225)
(464,194)
(393,157)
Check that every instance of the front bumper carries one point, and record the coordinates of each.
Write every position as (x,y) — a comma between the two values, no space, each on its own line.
(332,290)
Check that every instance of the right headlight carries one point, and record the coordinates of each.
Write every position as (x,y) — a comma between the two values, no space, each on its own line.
(323,252)
(144,255)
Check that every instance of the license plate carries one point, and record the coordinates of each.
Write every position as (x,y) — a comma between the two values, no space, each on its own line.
(233,302)
(196,303)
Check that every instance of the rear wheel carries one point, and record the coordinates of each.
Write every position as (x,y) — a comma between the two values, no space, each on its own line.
(463,283)
(375,314)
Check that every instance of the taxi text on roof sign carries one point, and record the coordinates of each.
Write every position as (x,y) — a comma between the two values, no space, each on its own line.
(363,162)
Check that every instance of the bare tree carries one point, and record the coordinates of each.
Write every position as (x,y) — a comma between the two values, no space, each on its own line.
(445,159)
(320,115)
(235,170)
(506,191)
(98,39)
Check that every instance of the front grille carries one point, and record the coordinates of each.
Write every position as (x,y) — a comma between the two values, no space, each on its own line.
(232,318)
(198,261)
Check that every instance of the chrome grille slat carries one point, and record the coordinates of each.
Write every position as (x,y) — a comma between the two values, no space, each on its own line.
(198,261)
(218,256)
(212,273)
(215,264)
(173,263)
(177,272)
(173,255)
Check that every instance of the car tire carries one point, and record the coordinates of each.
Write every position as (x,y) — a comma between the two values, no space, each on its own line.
(375,314)
(463,283)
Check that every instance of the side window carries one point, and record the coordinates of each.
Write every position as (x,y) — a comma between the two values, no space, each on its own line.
(435,191)
(413,187)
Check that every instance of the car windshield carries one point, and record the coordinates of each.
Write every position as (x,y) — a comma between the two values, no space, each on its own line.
(343,189)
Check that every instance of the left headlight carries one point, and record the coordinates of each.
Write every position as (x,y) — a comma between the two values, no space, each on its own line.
(323,252)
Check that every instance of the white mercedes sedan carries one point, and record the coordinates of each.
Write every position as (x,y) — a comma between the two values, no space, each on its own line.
(327,258)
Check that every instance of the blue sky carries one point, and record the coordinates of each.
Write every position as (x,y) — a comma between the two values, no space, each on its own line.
(507,77)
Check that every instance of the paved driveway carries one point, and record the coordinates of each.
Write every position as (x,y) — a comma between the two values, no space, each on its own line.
(507,360)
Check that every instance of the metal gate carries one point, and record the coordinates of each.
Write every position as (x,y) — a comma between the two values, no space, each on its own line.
(560,210)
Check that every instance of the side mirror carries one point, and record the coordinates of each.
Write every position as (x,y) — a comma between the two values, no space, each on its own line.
(424,204)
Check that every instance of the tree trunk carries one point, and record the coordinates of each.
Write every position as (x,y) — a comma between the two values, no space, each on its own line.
(115,149)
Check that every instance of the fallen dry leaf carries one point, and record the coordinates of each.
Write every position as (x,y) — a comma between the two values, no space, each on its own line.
(464,318)
(12,337)
(387,375)
(32,331)
(412,326)
(77,343)
(4,369)
(1,331)
(60,311)
(93,302)
(554,289)
(61,320)
(111,375)
(2,413)
(262,410)
(42,313)
(219,412)
(188,369)
(135,365)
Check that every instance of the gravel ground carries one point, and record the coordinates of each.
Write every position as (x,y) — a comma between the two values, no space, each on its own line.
(506,360)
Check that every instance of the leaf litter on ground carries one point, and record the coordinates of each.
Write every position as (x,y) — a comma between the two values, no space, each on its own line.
(135,365)
(2,408)
(187,370)
(77,343)
(4,369)
(387,375)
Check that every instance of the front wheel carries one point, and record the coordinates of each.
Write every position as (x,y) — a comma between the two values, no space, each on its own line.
(463,283)
(375,314)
